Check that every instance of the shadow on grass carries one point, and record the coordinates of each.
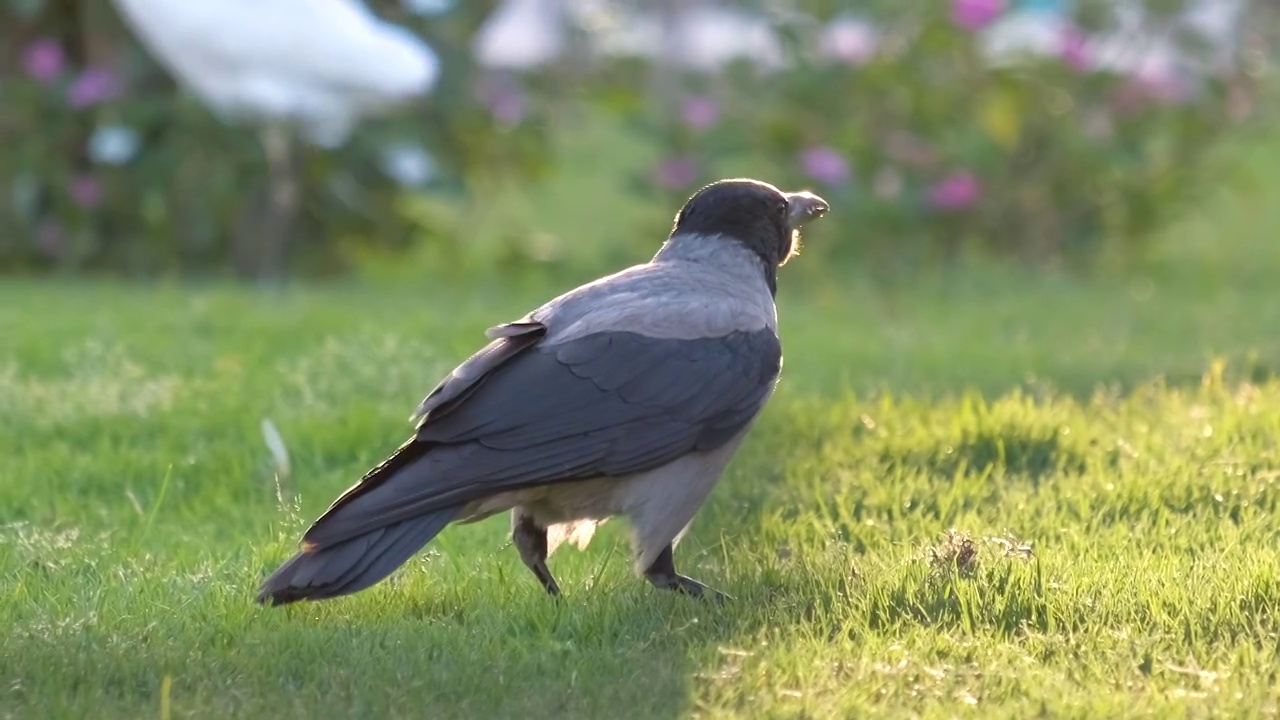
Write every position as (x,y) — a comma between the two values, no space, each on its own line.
(1032,453)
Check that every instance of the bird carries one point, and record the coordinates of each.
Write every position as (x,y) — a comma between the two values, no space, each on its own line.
(626,396)
(314,66)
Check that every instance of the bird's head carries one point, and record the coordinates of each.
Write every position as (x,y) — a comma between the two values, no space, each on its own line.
(758,215)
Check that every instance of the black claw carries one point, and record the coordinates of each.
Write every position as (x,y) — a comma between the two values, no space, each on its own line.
(662,574)
(531,540)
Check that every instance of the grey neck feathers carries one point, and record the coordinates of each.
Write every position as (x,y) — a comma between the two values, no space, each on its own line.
(721,252)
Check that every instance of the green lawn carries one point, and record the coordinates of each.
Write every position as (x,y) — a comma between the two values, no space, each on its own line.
(1086,419)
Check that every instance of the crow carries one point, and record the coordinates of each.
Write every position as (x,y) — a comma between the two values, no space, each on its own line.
(624,397)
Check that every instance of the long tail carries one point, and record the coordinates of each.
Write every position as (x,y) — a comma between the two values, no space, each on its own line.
(351,565)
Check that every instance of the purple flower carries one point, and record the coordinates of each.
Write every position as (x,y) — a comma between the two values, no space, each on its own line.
(700,112)
(44,60)
(86,191)
(1073,48)
(505,99)
(509,108)
(973,15)
(676,173)
(95,85)
(825,164)
(1151,81)
(957,191)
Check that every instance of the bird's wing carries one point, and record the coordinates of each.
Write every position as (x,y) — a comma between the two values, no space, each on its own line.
(603,405)
(509,340)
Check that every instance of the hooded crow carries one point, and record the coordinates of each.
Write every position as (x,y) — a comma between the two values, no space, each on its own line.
(626,396)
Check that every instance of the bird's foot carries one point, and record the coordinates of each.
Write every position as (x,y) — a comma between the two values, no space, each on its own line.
(662,574)
(531,540)
(543,574)
(689,586)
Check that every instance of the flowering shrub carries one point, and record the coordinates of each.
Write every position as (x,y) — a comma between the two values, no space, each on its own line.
(117,170)
(933,137)
(924,122)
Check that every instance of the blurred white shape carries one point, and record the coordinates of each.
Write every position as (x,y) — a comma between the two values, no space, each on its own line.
(113,144)
(429,8)
(521,35)
(1140,46)
(702,38)
(692,34)
(319,64)
(1019,34)
(408,164)
(276,446)
(849,38)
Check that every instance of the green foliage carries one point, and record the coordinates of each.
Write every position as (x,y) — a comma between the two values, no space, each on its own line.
(927,150)
(1068,161)
(190,195)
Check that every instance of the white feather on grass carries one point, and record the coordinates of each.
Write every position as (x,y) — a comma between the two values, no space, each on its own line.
(275,444)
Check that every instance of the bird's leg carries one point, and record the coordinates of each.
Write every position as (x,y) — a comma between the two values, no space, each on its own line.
(662,573)
(282,201)
(531,540)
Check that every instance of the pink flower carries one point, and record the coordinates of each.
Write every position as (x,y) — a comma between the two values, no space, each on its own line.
(957,191)
(700,112)
(974,15)
(825,164)
(44,60)
(505,100)
(1074,50)
(1163,83)
(95,85)
(849,40)
(86,191)
(509,108)
(675,173)
(1151,81)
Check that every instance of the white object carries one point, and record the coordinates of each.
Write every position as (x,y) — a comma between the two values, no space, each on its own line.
(701,38)
(1021,34)
(113,144)
(849,38)
(694,34)
(521,35)
(318,64)
(275,445)
(1138,46)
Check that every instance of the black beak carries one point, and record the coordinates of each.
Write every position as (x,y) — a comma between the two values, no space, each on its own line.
(803,207)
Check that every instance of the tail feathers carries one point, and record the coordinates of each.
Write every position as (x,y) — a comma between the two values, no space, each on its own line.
(352,565)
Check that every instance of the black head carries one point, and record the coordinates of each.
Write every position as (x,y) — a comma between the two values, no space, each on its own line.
(757,214)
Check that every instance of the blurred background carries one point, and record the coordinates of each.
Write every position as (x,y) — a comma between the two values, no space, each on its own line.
(141,141)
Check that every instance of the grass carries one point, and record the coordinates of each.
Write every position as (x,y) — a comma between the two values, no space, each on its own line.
(983,495)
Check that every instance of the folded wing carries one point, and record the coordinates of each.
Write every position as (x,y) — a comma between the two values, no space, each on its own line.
(526,413)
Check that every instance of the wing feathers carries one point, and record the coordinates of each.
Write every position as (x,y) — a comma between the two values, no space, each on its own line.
(603,405)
